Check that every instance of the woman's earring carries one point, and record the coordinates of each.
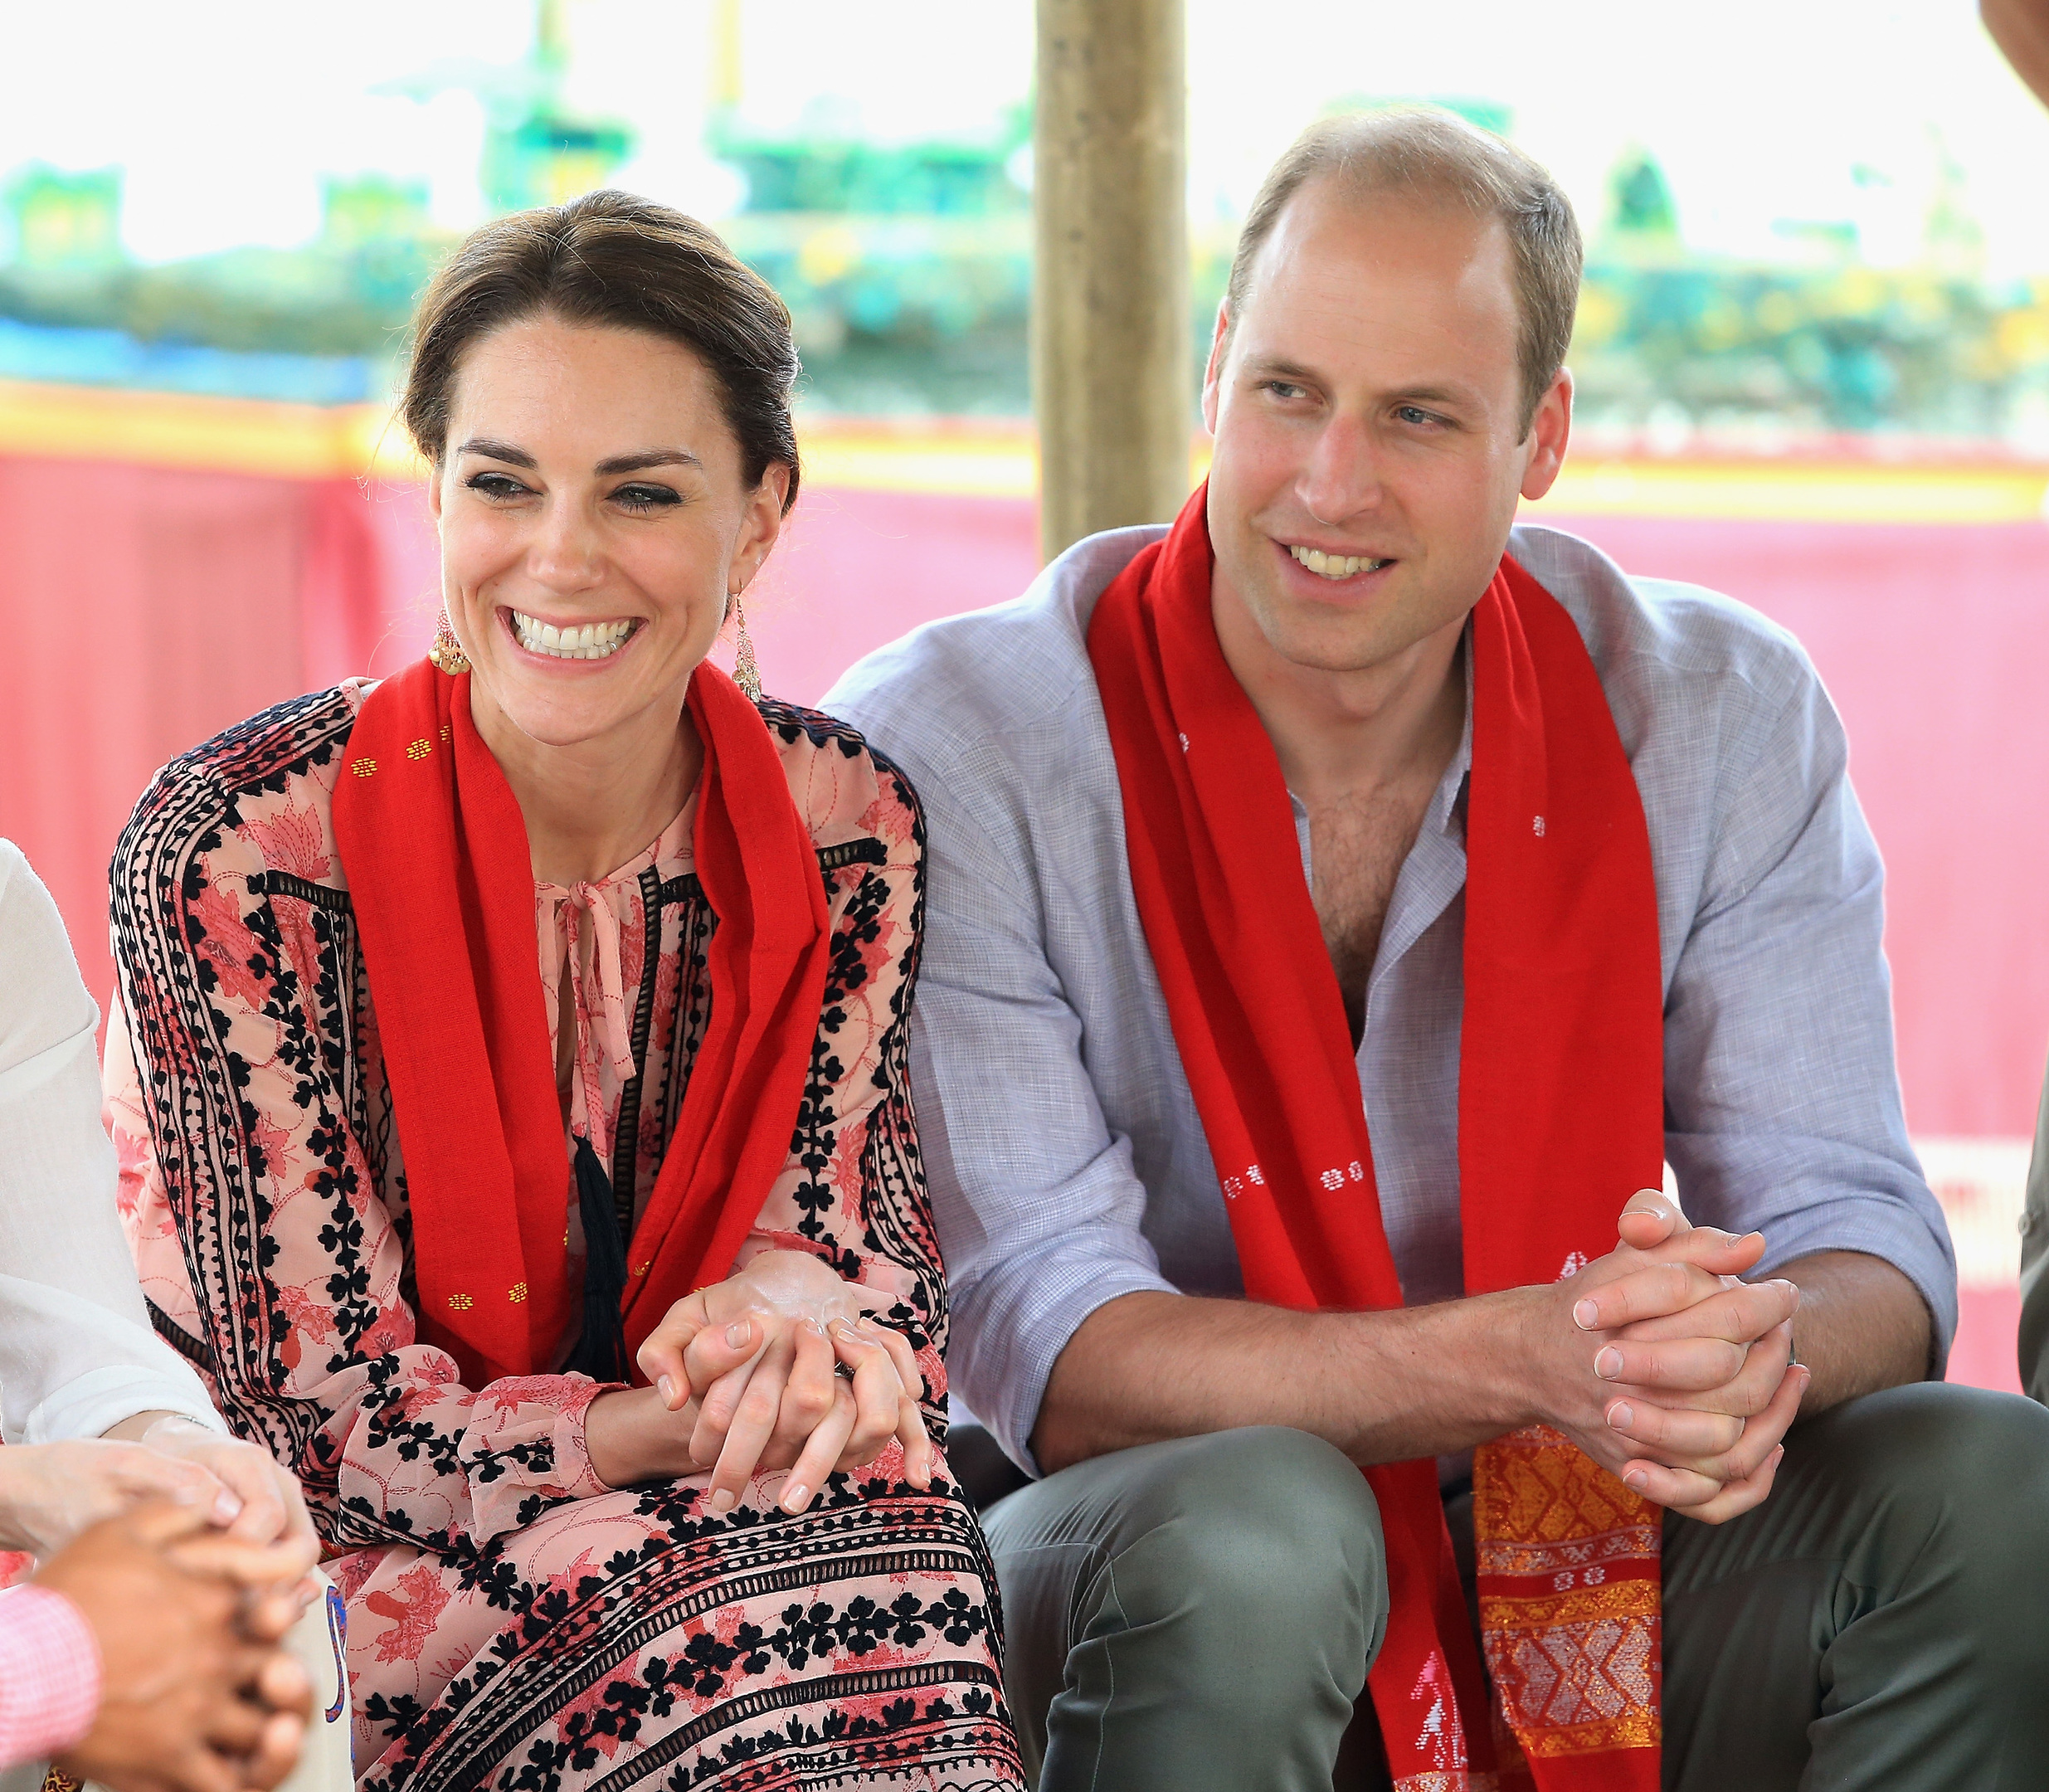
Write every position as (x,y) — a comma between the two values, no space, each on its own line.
(446,652)
(746,674)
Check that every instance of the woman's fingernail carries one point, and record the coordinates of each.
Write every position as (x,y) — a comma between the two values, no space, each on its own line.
(722,1500)
(796,1496)
(1586,1315)
(739,1331)
(668,1392)
(226,1508)
(1607,1366)
(1621,1415)
(1636,1480)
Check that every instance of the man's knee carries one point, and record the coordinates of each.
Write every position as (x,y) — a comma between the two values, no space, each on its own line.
(1266,1519)
(1956,1472)
(1263,1526)
(1934,1442)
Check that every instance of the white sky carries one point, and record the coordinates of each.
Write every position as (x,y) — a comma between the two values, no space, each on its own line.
(226,112)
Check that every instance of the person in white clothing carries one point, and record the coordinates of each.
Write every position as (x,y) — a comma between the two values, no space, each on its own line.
(173,1557)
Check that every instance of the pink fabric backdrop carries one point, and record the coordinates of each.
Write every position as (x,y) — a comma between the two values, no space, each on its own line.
(143,609)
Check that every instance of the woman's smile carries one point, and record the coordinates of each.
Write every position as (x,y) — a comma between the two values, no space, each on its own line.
(539,639)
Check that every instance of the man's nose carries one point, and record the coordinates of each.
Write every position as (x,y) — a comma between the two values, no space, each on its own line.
(1342,477)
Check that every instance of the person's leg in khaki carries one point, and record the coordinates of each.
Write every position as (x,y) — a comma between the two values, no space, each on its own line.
(1876,1623)
(1198,1613)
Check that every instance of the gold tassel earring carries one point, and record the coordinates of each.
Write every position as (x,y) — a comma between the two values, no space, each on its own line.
(446,652)
(746,674)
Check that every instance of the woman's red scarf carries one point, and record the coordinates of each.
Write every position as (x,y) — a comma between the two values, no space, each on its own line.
(1560,1119)
(436,851)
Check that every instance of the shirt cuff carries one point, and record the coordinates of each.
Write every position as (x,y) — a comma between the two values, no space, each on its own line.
(49,1675)
(1009,1327)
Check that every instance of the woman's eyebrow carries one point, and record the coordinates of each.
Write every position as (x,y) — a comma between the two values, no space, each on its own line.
(650,457)
(497,451)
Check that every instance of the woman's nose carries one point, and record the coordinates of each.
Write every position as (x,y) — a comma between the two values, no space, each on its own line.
(565,554)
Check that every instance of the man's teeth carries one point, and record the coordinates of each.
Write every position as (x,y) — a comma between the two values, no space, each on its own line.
(1335,565)
(594,640)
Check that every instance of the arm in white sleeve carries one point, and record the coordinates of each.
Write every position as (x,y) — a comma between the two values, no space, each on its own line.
(77,1353)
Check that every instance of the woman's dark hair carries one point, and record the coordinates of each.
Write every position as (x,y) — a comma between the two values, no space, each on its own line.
(613,260)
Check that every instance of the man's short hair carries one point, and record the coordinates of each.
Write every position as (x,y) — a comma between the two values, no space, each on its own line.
(1435,155)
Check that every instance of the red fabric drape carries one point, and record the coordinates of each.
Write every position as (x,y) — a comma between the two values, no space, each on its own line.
(437,857)
(1560,1117)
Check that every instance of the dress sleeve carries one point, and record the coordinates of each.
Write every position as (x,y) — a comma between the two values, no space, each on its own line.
(247,1126)
(853,1191)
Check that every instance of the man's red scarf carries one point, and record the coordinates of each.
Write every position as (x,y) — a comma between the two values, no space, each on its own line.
(436,855)
(1561,1118)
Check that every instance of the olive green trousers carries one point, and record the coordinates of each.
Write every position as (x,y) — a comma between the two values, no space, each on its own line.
(1201,1613)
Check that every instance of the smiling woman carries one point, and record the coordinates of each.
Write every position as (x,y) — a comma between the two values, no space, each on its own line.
(600,1311)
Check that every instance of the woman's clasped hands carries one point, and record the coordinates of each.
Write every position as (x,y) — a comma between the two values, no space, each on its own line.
(777,1367)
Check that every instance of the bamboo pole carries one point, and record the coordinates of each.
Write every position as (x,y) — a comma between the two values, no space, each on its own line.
(1112,384)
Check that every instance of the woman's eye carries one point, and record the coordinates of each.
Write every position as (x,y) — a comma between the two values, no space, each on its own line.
(495,485)
(645,497)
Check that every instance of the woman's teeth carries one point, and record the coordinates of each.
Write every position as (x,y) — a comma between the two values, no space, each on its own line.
(1335,565)
(594,640)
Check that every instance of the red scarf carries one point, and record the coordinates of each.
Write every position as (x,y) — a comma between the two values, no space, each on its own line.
(436,850)
(1560,1119)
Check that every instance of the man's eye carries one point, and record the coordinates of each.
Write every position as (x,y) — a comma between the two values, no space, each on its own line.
(1413,414)
(1284,389)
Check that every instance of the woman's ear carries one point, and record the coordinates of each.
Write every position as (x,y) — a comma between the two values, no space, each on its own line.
(761,524)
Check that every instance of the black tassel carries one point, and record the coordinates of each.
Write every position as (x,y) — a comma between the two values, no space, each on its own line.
(601,1353)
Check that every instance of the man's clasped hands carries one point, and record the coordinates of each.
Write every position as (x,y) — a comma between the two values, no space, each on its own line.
(1694,1382)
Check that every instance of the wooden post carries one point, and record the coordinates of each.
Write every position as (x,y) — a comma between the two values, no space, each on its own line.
(1112,381)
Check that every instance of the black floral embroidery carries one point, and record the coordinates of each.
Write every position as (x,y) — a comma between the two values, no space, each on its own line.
(605,1638)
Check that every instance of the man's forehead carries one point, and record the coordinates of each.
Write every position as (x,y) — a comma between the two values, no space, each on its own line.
(1391,270)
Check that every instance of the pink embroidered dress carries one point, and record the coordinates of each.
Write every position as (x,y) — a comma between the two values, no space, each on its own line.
(512,1621)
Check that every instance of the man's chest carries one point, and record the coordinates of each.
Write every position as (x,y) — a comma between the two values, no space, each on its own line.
(1358,843)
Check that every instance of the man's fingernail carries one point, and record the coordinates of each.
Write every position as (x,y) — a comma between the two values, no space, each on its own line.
(1586,1315)
(1621,1415)
(1636,1480)
(739,1331)
(1608,1364)
(722,1500)
(668,1392)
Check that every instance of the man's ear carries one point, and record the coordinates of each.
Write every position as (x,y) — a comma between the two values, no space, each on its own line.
(1550,429)
(1214,372)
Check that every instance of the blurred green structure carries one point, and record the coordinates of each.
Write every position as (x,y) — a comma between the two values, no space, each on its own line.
(907,267)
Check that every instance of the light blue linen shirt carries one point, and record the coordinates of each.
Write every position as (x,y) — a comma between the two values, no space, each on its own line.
(1067,1162)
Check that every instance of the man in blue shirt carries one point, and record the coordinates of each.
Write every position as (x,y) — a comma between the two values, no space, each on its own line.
(1195,1588)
